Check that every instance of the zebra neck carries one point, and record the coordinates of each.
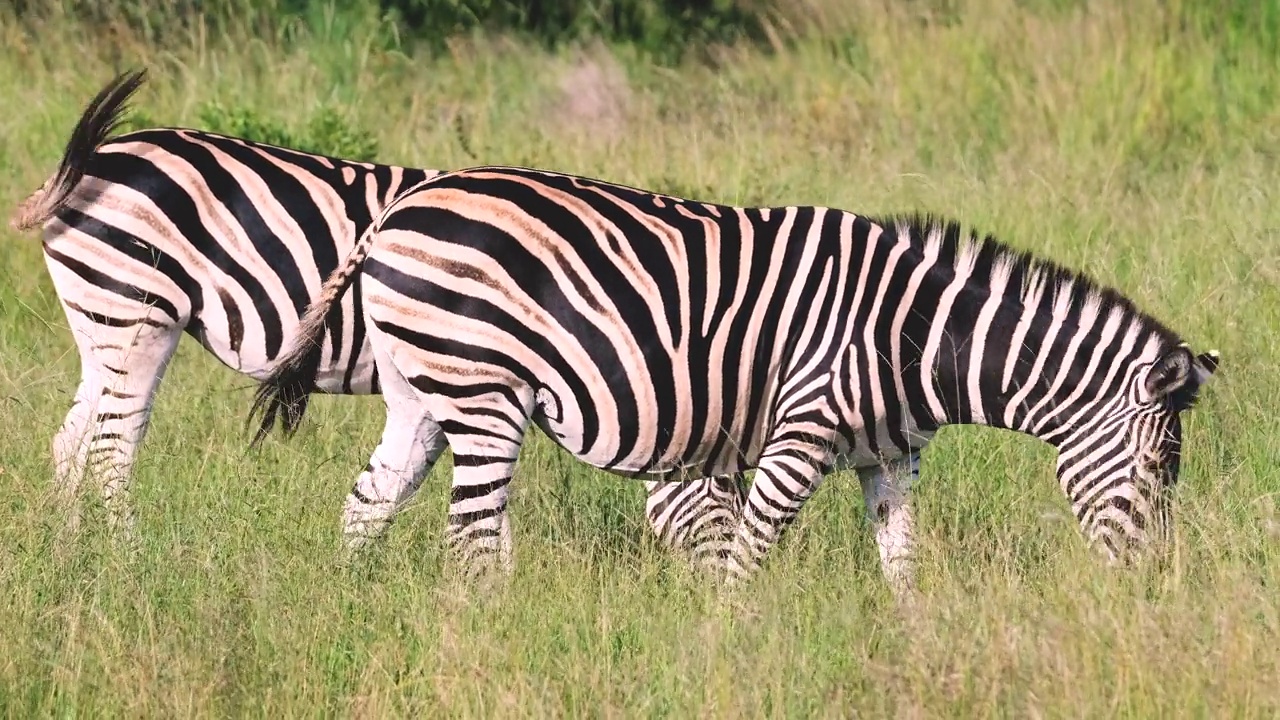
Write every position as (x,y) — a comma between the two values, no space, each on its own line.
(1035,369)
(1001,338)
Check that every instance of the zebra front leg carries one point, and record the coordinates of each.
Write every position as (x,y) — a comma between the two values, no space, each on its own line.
(697,517)
(886,490)
(788,473)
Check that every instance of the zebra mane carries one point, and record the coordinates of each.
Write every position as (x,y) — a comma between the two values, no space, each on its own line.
(990,259)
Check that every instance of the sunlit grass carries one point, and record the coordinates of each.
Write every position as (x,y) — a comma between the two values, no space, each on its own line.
(1100,138)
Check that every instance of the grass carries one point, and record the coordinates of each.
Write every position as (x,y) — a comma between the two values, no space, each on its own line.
(1115,140)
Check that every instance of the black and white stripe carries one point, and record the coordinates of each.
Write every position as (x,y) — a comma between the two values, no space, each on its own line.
(162,231)
(658,337)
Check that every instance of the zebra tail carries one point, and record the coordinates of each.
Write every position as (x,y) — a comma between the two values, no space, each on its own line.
(285,392)
(99,120)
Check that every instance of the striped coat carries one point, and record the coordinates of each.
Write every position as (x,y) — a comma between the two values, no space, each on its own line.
(658,337)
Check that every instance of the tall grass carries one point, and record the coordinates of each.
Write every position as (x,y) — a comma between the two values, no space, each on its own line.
(1122,139)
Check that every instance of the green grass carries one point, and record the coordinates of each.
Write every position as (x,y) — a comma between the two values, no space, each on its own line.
(1110,140)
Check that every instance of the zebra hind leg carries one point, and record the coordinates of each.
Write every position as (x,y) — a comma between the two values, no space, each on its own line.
(886,491)
(486,430)
(70,446)
(697,518)
(411,444)
(123,361)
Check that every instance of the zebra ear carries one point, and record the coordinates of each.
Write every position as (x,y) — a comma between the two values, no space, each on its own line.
(1205,365)
(1169,374)
(1178,376)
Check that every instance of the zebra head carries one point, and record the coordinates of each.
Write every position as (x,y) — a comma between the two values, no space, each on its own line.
(1119,463)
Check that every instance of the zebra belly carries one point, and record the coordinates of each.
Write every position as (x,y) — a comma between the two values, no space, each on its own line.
(861,456)
(236,336)
(222,333)
(628,408)
(662,470)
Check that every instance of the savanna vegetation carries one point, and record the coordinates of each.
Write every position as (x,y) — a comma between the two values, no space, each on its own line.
(1136,140)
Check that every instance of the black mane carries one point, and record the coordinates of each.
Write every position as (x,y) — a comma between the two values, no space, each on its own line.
(1023,266)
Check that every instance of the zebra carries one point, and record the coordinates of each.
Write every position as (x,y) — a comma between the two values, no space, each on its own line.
(658,337)
(162,231)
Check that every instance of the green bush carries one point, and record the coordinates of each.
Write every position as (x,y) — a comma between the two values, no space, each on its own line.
(663,29)
(156,20)
(1236,26)
(325,133)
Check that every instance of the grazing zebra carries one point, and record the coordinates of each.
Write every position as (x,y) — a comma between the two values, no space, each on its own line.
(655,336)
(161,231)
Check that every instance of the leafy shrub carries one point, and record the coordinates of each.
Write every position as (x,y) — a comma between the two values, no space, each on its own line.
(328,133)
(245,123)
(664,29)
(325,133)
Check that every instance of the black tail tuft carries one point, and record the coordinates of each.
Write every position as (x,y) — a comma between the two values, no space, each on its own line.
(101,117)
(284,395)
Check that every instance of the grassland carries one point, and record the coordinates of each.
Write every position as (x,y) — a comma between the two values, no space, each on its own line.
(1109,139)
